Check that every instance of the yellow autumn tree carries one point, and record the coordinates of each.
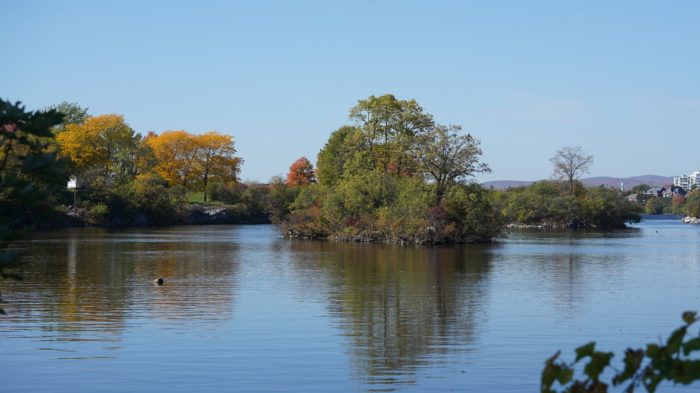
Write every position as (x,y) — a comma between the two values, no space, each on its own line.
(176,153)
(193,161)
(216,159)
(101,146)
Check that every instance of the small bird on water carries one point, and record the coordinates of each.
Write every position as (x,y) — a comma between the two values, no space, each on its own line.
(159,281)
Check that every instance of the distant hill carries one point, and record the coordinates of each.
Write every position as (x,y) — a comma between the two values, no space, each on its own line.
(629,182)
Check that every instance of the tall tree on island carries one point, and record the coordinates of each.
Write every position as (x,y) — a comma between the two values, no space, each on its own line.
(389,130)
(570,163)
(448,157)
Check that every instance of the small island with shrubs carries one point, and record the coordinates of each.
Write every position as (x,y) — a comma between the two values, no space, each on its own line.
(396,175)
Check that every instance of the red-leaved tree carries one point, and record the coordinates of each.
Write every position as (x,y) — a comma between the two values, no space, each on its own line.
(301,173)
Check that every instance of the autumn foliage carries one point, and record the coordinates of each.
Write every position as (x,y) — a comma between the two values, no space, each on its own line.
(105,150)
(193,161)
(103,146)
(301,173)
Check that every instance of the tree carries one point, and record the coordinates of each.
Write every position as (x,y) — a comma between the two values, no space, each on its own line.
(692,204)
(569,164)
(448,157)
(176,153)
(72,114)
(30,173)
(101,146)
(331,160)
(301,173)
(675,360)
(193,161)
(640,189)
(654,205)
(389,129)
(215,158)
(677,203)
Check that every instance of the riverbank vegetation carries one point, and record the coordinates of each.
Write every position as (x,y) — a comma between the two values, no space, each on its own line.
(393,175)
(554,204)
(669,200)
(30,176)
(174,177)
(564,202)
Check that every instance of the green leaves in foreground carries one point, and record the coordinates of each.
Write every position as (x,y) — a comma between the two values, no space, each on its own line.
(645,368)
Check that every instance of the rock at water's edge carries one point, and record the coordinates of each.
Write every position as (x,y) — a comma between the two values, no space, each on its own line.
(691,220)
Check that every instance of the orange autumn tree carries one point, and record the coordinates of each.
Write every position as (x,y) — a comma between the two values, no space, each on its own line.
(301,173)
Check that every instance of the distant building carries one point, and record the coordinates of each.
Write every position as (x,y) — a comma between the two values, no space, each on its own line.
(655,192)
(687,182)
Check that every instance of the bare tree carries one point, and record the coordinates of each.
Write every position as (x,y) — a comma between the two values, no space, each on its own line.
(570,163)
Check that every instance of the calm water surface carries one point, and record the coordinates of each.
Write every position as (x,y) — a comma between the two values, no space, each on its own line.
(244,310)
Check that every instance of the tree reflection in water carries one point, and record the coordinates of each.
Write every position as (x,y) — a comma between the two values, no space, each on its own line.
(400,306)
(87,284)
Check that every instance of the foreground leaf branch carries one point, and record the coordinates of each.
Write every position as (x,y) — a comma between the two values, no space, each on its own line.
(674,361)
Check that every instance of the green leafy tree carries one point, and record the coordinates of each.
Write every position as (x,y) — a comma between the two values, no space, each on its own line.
(543,203)
(395,177)
(331,161)
(639,189)
(390,129)
(449,158)
(72,114)
(654,206)
(29,174)
(692,204)
(674,360)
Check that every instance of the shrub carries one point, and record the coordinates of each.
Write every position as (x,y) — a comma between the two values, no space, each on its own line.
(98,214)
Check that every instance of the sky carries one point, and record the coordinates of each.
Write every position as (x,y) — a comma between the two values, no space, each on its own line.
(620,79)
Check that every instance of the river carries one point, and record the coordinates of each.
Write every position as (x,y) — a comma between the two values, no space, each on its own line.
(243,309)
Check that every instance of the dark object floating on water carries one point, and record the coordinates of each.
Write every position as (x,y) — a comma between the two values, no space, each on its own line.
(159,281)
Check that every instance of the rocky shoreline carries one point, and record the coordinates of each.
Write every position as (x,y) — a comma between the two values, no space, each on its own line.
(193,214)
(560,226)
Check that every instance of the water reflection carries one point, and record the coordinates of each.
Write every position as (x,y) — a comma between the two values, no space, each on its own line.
(79,287)
(400,308)
(244,310)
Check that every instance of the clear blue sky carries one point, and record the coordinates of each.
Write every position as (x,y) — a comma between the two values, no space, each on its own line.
(619,78)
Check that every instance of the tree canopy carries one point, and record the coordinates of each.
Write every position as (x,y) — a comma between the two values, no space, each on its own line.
(193,161)
(30,173)
(301,173)
(103,146)
(448,157)
(396,175)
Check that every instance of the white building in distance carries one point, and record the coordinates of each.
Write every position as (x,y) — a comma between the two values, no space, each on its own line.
(687,182)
